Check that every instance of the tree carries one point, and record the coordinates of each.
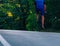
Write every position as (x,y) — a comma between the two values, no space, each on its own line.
(52,16)
(21,15)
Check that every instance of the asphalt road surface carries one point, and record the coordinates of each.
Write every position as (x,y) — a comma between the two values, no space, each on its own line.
(27,38)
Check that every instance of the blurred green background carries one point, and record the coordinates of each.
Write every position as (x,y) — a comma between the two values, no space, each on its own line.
(21,15)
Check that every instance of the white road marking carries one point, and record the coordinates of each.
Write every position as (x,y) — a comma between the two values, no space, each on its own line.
(3,41)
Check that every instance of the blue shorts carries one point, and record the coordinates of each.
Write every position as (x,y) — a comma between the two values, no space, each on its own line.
(41,10)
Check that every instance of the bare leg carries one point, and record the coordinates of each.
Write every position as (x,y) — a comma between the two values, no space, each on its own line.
(43,21)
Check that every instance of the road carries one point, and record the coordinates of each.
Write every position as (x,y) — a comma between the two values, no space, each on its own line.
(28,38)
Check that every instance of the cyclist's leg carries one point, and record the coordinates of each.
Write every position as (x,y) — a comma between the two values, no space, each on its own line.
(42,21)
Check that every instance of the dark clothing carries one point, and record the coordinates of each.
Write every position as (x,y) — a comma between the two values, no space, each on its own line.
(39,6)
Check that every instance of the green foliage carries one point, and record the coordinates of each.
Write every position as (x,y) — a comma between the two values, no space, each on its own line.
(31,19)
(12,14)
(53,14)
(21,15)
